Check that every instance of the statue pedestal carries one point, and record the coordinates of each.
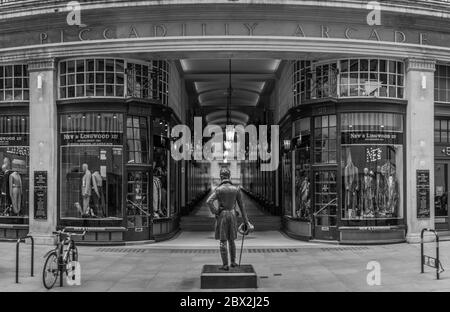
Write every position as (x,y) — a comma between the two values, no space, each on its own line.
(238,277)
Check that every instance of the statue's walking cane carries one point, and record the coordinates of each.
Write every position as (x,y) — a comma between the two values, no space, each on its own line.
(243,230)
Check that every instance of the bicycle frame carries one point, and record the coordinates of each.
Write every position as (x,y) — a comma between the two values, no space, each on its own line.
(62,254)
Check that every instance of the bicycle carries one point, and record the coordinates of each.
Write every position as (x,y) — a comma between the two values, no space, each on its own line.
(57,260)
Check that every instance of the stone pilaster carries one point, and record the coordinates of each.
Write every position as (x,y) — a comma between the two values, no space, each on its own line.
(419,139)
(43,143)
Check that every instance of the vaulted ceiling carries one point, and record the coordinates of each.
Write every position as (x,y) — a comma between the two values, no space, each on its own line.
(208,80)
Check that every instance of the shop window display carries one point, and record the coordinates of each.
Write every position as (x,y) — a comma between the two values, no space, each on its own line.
(372,165)
(138,187)
(302,145)
(91,165)
(138,197)
(175,183)
(160,169)
(286,163)
(14,173)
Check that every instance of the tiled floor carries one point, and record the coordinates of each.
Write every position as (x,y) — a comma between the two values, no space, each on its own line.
(309,267)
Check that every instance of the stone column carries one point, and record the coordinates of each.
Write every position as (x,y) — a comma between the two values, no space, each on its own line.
(419,139)
(43,144)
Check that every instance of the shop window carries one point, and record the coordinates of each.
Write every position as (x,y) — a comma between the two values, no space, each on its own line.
(138,199)
(286,166)
(161,81)
(137,140)
(325,139)
(139,80)
(14,173)
(371,77)
(160,168)
(175,183)
(325,80)
(301,81)
(91,165)
(302,146)
(441,131)
(91,78)
(442,84)
(372,166)
(14,83)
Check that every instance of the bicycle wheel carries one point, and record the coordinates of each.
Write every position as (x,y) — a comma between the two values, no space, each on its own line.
(50,271)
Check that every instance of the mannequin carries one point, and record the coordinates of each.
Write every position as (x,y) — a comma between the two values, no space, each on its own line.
(304,198)
(392,194)
(98,199)
(7,189)
(367,193)
(86,189)
(380,191)
(156,196)
(15,191)
(3,206)
(351,186)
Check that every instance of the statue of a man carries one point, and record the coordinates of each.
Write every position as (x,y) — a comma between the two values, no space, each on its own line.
(227,195)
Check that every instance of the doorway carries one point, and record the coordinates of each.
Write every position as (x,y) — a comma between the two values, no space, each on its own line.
(441,174)
(138,205)
(325,204)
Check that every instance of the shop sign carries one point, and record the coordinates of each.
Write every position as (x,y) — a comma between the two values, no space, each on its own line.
(14,140)
(369,137)
(91,138)
(40,194)
(374,228)
(446,151)
(423,193)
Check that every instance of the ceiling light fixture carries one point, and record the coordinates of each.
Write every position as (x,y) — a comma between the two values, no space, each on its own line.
(229,132)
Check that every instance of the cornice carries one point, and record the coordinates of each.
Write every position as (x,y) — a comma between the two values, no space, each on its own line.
(42,56)
(15,9)
(421,64)
(41,64)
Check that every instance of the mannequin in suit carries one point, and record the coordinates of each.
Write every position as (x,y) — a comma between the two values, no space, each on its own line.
(86,189)
(6,168)
(392,194)
(15,191)
(351,186)
(99,197)
(380,191)
(367,192)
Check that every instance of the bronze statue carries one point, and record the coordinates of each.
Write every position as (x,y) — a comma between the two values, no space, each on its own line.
(227,195)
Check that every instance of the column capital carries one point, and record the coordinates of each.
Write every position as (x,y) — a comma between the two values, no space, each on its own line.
(420,64)
(41,64)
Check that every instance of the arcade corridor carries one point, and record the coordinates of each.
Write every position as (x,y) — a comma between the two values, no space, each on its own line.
(201,219)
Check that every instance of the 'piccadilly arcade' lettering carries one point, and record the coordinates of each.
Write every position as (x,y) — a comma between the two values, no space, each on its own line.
(243,29)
